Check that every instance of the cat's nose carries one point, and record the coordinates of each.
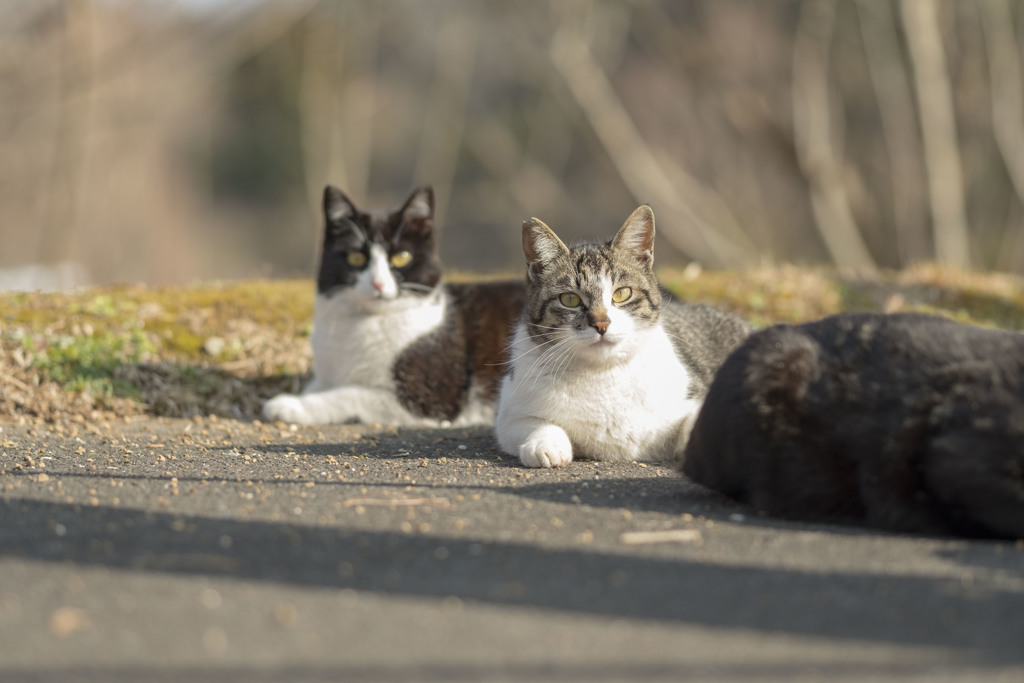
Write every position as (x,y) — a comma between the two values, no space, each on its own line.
(601,326)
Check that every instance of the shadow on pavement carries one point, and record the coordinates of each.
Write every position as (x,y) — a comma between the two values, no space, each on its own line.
(911,610)
(595,673)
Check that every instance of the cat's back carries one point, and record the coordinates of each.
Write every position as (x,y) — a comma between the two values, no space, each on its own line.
(487,313)
(482,303)
(703,336)
(914,351)
(859,373)
(932,341)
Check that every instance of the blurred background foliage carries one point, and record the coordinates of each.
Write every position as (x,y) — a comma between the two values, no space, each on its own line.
(160,142)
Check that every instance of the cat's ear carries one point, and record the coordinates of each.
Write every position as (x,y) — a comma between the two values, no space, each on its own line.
(636,236)
(418,211)
(541,245)
(337,207)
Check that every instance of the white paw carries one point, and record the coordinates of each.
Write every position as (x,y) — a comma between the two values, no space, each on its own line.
(548,446)
(287,408)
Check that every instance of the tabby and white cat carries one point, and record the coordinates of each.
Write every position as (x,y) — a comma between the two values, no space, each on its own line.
(905,422)
(604,365)
(391,342)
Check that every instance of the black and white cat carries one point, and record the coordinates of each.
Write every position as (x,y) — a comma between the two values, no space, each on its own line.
(905,422)
(604,365)
(391,342)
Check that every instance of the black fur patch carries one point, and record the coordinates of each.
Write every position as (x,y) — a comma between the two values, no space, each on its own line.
(904,422)
(435,374)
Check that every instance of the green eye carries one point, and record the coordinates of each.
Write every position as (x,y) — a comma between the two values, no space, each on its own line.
(401,259)
(356,259)
(569,299)
(622,294)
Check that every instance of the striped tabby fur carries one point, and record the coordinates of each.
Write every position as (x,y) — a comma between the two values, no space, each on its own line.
(605,364)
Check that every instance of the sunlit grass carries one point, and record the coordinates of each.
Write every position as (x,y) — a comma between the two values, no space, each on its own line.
(224,347)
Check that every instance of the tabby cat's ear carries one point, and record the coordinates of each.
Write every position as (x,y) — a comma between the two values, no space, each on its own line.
(418,211)
(636,236)
(337,207)
(541,245)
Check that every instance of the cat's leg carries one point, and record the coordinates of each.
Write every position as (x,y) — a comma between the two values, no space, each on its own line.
(537,443)
(692,408)
(341,404)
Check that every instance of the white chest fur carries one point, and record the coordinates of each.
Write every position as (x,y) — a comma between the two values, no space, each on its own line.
(357,345)
(632,409)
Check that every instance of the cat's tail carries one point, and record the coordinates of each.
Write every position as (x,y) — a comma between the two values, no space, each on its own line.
(977,473)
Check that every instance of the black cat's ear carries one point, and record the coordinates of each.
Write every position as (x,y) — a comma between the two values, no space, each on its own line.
(540,245)
(418,211)
(636,236)
(337,207)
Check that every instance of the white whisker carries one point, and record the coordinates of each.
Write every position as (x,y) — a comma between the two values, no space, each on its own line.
(524,353)
(678,338)
(567,357)
(545,359)
(416,286)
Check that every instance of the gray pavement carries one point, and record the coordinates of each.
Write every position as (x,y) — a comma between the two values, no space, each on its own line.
(218,550)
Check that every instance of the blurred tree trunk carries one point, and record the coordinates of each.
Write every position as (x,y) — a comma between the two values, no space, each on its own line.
(338,102)
(820,162)
(703,236)
(444,120)
(1007,106)
(75,107)
(899,128)
(938,131)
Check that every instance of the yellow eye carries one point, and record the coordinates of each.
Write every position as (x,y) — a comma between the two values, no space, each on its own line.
(401,259)
(622,294)
(356,259)
(569,299)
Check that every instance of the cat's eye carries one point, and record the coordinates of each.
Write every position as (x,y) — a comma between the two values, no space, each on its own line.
(401,259)
(356,259)
(569,299)
(622,294)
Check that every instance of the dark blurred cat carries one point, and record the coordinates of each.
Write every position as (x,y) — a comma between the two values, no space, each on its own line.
(605,365)
(905,422)
(392,343)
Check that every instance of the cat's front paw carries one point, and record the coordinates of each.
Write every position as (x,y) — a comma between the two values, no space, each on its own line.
(287,408)
(548,446)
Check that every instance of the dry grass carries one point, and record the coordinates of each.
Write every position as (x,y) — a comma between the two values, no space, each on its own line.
(224,348)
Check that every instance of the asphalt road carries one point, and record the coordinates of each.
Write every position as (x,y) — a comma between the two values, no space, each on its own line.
(227,551)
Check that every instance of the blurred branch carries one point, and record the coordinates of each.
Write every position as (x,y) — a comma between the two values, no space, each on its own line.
(1005,86)
(820,162)
(338,106)
(899,127)
(244,29)
(636,164)
(938,131)
(444,121)
(531,184)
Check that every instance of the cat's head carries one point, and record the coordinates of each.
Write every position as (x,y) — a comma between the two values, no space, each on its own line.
(598,297)
(379,256)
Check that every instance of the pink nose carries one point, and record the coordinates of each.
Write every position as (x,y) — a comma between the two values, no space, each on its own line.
(601,326)
(377,285)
